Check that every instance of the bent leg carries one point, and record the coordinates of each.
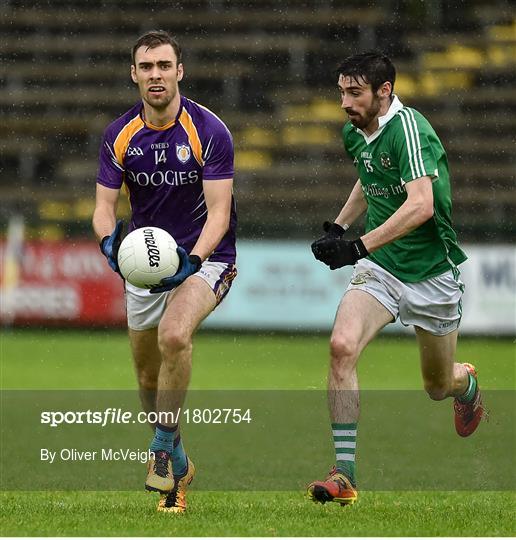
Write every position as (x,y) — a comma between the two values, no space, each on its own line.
(442,376)
(359,318)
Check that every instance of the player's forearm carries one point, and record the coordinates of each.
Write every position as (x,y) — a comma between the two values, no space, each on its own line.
(104,215)
(408,217)
(214,229)
(104,220)
(354,207)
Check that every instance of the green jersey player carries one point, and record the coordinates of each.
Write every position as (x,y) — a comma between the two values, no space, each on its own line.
(405,263)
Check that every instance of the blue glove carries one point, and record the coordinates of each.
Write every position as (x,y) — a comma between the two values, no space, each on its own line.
(111,244)
(188,265)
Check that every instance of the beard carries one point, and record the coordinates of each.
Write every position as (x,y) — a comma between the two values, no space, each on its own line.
(160,102)
(361,121)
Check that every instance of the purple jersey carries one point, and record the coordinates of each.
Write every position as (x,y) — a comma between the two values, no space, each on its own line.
(163,170)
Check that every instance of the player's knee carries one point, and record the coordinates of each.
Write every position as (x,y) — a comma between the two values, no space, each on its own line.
(173,339)
(437,390)
(344,353)
(343,350)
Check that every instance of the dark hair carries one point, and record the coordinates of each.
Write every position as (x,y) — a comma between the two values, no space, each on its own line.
(373,67)
(155,38)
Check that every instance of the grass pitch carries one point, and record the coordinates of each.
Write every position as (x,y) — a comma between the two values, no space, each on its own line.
(257,514)
(65,360)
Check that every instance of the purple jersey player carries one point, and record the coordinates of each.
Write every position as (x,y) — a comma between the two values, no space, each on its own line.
(164,169)
(174,158)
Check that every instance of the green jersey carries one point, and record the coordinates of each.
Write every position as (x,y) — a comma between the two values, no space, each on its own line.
(405,147)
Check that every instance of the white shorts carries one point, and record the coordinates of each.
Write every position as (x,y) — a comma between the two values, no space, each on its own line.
(433,304)
(145,309)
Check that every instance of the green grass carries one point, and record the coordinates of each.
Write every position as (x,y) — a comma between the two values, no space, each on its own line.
(75,360)
(258,514)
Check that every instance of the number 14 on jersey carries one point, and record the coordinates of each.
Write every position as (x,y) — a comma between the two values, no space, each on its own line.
(160,156)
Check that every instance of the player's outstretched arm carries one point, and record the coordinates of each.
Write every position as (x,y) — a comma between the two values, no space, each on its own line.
(416,210)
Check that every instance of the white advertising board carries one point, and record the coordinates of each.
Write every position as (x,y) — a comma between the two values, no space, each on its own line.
(281,286)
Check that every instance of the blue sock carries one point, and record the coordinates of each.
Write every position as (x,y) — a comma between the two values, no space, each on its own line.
(179,462)
(163,438)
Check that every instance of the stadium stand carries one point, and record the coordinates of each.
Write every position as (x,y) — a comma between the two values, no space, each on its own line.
(266,68)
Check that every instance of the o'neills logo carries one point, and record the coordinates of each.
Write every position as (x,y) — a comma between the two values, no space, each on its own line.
(152,249)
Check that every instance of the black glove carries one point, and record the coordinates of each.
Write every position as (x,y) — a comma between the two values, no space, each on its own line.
(111,244)
(332,230)
(336,252)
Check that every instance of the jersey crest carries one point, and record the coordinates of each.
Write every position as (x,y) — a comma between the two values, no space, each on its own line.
(183,152)
(385,160)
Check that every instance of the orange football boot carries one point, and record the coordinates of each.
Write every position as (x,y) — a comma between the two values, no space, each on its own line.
(336,488)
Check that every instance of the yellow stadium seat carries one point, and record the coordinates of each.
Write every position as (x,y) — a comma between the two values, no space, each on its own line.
(83,208)
(433,83)
(405,86)
(325,110)
(308,135)
(49,233)
(299,113)
(464,57)
(434,60)
(257,136)
(429,84)
(501,55)
(505,32)
(55,211)
(456,79)
(458,56)
(252,160)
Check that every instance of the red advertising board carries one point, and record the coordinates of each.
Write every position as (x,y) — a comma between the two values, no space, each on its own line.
(67,283)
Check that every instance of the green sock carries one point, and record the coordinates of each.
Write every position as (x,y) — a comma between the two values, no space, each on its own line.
(344,440)
(469,394)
